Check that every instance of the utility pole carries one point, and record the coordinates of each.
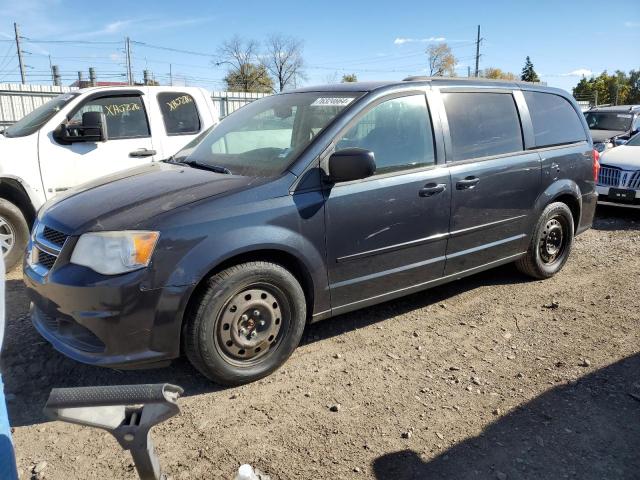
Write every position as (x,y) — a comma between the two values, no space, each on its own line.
(53,77)
(170,76)
(55,71)
(129,72)
(478,53)
(468,71)
(19,50)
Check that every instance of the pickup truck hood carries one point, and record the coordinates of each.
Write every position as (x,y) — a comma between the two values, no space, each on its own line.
(127,198)
(602,135)
(626,157)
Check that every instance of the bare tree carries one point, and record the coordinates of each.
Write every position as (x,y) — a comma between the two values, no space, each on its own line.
(441,60)
(245,72)
(283,60)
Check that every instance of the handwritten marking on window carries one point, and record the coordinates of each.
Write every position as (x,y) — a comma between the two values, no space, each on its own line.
(179,102)
(115,110)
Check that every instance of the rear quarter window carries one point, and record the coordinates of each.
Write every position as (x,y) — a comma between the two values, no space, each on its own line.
(555,122)
(179,113)
(482,124)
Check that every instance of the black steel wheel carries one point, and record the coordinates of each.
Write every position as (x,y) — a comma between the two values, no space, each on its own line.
(550,244)
(246,323)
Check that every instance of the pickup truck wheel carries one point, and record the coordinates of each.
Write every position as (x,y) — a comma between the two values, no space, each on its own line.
(246,323)
(14,233)
(550,244)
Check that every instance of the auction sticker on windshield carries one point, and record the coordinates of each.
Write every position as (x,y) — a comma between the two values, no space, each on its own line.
(332,101)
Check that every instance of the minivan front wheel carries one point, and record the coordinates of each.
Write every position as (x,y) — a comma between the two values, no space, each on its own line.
(246,323)
(550,244)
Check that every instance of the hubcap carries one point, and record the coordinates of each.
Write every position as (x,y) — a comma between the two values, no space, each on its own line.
(552,241)
(7,237)
(249,324)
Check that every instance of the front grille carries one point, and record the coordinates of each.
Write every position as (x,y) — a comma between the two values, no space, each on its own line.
(609,176)
(634,181)
(54,236)
(45,259)
(67,330)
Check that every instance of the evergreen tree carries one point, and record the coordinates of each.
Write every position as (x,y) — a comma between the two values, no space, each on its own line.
(528,73)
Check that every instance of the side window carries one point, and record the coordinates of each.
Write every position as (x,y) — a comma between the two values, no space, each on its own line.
(179,113)
(126,117)
(397,131)
(555,122)
(482,124)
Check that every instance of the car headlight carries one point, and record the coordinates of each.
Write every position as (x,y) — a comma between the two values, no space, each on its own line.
(111,253)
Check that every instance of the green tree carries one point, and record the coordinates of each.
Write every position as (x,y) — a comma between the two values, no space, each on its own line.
(249,77)
(349,77)
(528,73)
(616,89)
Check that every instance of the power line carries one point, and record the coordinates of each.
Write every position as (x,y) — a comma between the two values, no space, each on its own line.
(170,49)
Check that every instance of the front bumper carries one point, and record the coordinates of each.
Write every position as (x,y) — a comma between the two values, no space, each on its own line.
(603,197)
(106,321)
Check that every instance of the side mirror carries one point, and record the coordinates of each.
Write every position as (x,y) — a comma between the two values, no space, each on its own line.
(619,141)
(351,164)
(92,129)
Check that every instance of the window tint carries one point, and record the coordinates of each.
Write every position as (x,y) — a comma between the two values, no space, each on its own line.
(397,131)
(554,120)
(179,113)
(482,124)
(125,116)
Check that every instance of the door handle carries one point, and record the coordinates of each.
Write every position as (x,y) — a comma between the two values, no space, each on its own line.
(142,152)
(431,189)
(467,183)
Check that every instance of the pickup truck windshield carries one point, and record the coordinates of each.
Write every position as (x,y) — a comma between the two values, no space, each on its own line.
(41,115)
(618,121)
(263,138)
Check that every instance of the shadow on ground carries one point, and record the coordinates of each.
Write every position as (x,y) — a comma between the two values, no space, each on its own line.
(616,218)
(586,430)
(31,367)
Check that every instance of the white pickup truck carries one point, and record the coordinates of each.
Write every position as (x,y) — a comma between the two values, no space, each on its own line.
(79,136)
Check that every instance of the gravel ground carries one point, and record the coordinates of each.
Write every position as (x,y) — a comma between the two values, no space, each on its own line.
(494,376)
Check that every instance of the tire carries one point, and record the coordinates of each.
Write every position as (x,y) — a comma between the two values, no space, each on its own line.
(550,244)
(246,323)
(14,234)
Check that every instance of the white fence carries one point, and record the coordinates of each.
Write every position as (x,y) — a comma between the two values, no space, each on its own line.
(17,100)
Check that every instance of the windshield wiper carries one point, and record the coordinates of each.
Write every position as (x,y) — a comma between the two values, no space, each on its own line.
(203,166)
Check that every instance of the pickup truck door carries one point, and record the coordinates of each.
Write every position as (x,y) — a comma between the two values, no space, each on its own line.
(179,116)
(129,144)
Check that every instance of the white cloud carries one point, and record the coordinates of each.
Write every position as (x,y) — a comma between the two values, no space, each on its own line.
(580,72)
(632,24)
(403,40)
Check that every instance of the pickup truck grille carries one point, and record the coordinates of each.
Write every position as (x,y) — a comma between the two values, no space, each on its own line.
(54,236)
(609,176)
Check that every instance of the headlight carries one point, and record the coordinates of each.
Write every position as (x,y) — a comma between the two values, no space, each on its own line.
(111,253)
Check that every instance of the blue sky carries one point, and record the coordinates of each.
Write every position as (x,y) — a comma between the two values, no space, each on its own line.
(375,40)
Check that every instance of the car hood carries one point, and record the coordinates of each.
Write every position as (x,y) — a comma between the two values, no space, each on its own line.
(127,198)
(602,135)
(625,157)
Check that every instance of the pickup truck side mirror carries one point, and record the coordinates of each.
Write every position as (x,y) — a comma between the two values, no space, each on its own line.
(92,129)
(351,164)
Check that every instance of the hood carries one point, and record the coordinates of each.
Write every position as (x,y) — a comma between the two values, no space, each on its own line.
(127,198)
(625,157)
(602,135)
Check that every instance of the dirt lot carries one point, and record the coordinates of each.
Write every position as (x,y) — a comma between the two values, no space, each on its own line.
(494,376)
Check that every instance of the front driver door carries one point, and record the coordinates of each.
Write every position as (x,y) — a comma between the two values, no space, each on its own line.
(129,145)
(388,232)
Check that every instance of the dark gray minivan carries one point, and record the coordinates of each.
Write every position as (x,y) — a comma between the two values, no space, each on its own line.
(305,205)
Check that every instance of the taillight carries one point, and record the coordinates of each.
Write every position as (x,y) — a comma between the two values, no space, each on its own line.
(596,165)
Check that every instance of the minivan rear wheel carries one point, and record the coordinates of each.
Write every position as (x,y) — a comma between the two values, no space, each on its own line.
(550,244)
(246,323)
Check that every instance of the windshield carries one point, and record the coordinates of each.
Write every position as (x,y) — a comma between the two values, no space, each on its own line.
(41,115)
(634,141)
(263,138)
(609,121)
